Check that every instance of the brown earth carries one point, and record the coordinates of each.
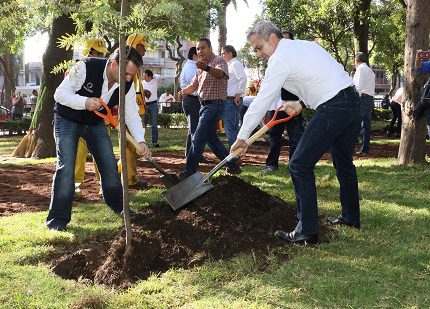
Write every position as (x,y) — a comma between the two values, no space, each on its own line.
(232,219)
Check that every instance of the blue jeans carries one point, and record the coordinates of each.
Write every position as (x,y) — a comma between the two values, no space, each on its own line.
(67,133)
(333,126)
(364,118)
(206,134)
(152,112)
(230,120)
(295,130)
(191,107)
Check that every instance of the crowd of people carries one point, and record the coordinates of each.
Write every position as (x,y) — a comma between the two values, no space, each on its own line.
(213,88)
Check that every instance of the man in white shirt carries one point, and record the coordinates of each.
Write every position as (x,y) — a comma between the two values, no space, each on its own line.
(236,87)
(396,108)
(151,82)
(364,81)
(307,70)
(166,100)
(76,99)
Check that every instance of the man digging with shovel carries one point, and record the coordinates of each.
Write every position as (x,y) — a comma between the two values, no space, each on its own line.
(76,99)
(307,70)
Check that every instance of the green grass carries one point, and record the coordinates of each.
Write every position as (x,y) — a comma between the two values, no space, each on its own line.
(386,264)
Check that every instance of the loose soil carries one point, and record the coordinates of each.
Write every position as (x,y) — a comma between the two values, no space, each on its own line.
(232,219)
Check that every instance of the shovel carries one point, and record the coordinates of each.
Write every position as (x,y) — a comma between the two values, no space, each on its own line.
(197,184)
(168,179)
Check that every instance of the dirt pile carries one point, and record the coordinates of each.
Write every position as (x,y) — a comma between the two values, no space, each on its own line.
(231,219)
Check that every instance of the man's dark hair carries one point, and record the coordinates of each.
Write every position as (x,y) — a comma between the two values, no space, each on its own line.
(290,34)
(361,57)
(132,55)
(205,40)
(192,52)
(230,49)
(149,73)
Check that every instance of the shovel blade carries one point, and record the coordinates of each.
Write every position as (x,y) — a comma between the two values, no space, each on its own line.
(169,180)
(187,190)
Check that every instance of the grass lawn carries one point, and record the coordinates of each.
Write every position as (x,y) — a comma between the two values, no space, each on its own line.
(386,264)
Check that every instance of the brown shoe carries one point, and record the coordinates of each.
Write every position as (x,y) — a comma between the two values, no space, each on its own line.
(233,171)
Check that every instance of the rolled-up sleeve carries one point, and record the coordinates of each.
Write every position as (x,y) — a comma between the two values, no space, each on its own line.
(132,118)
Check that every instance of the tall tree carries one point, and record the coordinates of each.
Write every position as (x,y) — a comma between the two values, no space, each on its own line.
(222,22)
(61,26)
(361,22)
(412,143)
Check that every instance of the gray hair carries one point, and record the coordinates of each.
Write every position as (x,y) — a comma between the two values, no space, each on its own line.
(264,28)
(361,57)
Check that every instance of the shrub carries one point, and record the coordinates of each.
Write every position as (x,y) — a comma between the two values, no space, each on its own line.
(164,120)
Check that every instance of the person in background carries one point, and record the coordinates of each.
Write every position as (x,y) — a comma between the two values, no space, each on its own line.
(236,87)
(364,81)
(395,106)
(33,101)
(18,106)
(76,99)
(94,47)
(151,82)
(166,100)
(211,85)
(138,42)
(322,84)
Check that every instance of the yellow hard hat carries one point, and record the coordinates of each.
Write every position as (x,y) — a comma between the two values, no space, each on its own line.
(97,44)
(135,39)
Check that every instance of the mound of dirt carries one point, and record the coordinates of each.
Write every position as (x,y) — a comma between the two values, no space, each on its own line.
(231,219)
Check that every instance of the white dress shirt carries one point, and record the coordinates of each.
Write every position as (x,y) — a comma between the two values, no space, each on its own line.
(66,95)
(303,68)
(188,72)
(236,84)
(364,80)
(166,99)
(152,86)
(398,97)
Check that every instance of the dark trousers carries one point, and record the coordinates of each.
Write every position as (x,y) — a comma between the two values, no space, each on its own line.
(333,127)
(397,116)
(205,133)
(67,134)
(191,107)
(152,113)
(364,118)
(294,129)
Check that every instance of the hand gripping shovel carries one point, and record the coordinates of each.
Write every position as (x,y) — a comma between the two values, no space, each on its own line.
(197,184)
(168,179)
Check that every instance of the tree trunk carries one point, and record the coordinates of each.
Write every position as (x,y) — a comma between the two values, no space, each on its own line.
(8,68)
(412,143)
(53,55)
(222,32)
(361,20)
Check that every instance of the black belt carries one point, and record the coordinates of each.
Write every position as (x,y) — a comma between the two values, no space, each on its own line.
(231,98)
(151,102)
(192,96)
(365,95)
(206,102)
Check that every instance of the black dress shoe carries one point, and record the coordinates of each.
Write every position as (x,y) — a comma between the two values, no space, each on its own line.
(296,238)
(139,185)
(206,160)
(57,227)
(156,145)
(341,221)
(131,214)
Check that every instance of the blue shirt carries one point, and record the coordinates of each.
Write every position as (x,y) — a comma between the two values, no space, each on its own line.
(425,68)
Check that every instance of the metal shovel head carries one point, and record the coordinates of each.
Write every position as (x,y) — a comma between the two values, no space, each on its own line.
(170,180)
(187,190)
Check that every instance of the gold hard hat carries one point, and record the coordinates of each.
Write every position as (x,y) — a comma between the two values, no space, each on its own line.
(135,39)
(97,44)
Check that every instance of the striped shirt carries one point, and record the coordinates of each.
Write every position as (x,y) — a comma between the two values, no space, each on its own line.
(208,86)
